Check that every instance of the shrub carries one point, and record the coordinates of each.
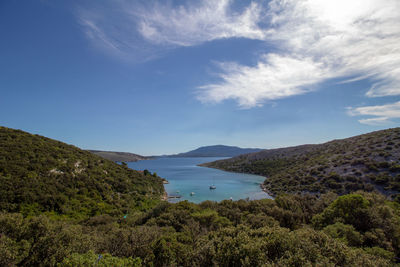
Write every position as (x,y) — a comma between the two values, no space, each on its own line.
(92,259)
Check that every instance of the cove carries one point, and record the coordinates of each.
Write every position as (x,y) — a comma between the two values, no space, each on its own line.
(185,177)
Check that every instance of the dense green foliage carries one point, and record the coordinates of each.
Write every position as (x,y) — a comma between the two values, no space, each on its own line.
(367,162)
(87,259)
(38,174)
(360,229)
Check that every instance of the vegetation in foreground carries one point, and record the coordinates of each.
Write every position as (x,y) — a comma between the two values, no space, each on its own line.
(360,229)
(369,162)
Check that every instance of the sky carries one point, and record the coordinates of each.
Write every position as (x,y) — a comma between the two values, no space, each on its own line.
(162,77)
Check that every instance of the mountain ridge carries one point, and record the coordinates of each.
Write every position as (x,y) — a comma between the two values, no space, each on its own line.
(215,151)
(118,156)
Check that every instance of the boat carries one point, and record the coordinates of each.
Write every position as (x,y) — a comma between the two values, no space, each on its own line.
(192,193)
(212,187)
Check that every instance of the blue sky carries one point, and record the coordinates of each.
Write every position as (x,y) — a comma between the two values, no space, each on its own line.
(164,77)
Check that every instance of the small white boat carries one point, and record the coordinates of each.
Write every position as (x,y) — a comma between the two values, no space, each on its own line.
(192,193)
(212,187)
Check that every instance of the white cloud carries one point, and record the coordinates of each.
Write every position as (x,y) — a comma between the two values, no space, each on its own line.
(113,28)
(204,21)
(337,38)
(320,40)
(381,113)
(380,121)
(131,29)
(274,77)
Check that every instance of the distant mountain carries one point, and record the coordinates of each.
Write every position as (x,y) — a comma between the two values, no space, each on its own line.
(365,162)
(216,151)
(118,156)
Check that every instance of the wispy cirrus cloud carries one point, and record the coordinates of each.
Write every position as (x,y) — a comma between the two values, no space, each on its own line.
(129,29)
(113,28)
(318,40)
(274,77)
(202,21)
(378,115)
(333,38)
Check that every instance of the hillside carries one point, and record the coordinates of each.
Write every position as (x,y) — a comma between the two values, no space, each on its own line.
(38,174)
(118,156)
(216,151)
(367,162)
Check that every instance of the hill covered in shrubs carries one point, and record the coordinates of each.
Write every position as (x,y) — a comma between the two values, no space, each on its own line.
(41,175)
(366,162)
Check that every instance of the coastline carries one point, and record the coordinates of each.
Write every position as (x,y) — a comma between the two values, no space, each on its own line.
(240,185)
(164,197)
(262,186)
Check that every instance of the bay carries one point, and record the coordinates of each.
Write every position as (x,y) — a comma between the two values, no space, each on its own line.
(185,177)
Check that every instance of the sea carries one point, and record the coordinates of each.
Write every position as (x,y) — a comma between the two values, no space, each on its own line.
(192,182)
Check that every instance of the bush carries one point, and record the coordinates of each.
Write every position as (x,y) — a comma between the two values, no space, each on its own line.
(344,232)
(92,259)
(349,209)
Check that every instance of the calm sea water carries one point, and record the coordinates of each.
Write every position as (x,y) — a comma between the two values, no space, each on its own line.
(185,176)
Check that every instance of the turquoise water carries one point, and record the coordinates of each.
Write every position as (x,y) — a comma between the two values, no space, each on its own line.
(184,177)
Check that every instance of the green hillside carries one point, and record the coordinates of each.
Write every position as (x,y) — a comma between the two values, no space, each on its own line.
(38,174)
(366,162)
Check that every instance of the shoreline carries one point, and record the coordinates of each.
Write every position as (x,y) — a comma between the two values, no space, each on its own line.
(264,189)
(262,186)
(201,165)
(164,197)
